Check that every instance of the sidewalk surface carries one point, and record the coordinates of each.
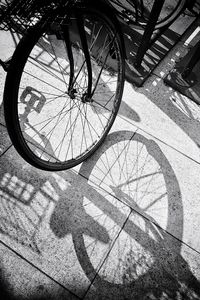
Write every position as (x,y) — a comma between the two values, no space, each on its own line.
(124,224)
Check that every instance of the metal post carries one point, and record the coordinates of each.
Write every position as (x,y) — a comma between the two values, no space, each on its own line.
(192,61)
(149,28)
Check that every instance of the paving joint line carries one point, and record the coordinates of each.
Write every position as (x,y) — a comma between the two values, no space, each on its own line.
(37,268)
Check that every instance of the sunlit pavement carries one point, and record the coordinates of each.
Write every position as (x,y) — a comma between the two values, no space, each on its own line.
(122,225)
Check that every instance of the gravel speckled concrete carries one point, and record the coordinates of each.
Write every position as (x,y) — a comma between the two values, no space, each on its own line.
(122,225)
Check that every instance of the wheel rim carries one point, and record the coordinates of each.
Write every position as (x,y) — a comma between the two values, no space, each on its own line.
(58,129)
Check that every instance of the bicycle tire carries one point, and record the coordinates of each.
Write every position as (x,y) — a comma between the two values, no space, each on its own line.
(45,122)
(138,12)
(169,12)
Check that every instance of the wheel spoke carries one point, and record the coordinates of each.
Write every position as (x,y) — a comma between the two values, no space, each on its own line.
(60,127)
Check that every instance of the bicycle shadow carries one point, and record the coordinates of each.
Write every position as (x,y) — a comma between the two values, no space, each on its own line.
(27,196)
(125,199)
(153,268)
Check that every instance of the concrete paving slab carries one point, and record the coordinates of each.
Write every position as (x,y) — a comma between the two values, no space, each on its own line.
(46,226)
(166,115)
(57,220)
(180,202)
(151,178)
(127,217)
(147,263)
(21,280)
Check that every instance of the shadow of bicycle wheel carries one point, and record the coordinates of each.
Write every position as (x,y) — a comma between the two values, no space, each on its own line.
(132,188)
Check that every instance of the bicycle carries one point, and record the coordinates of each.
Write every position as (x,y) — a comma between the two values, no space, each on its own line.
(64,84)
(65,81)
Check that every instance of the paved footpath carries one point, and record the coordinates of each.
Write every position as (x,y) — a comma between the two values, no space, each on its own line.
(124,224)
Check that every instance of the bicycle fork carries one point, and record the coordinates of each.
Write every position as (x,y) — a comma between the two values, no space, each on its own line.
(87,96)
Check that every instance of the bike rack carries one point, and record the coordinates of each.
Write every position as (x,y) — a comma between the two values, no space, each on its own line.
(148,37)
(184,78)
(192,62)
(148,32)
(150,28)
(137,72)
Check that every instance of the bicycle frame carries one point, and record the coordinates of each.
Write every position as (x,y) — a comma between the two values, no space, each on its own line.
(146,38)
(87,96)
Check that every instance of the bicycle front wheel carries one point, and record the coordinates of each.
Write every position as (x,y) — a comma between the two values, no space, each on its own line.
(51,127)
